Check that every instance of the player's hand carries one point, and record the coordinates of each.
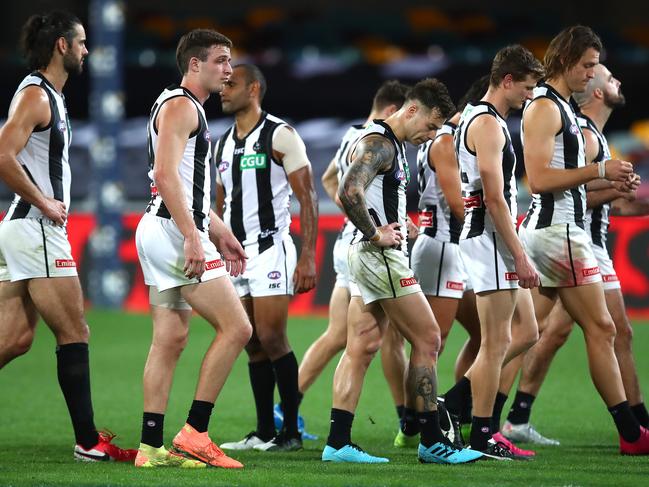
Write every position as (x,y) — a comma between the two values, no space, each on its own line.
(304,275)
(54,210)
(389,235)
(632,183)
(194,256)
(413,230)
(617,170)
(232,253)
(527,275)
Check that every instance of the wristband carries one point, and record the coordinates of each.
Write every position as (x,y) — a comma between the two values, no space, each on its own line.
(376,237)
(601,169)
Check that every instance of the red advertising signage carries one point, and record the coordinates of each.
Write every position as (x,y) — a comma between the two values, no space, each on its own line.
(628,242)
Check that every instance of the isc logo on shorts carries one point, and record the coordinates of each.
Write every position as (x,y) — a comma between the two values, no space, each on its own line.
(213,264)
(254,161)
(64,263)
(410,281)
(511,276)
(591,271)
(456,286)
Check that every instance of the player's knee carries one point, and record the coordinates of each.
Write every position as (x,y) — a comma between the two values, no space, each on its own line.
(241,334)
(604,330)
(19,346)
(174,341)
(624,335)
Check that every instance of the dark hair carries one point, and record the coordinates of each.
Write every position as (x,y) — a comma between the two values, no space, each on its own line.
(433,94)
(40,33)
(567,47)
(196,43)
(253,73)
(475,92)
(517,61)
(389,93)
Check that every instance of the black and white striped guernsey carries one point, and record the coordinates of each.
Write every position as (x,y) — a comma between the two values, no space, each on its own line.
(194,168)
(385,196)
(567,206)
(476,218)
(444,226)
(257,191)
(45,156)
(342,162)
(597,219)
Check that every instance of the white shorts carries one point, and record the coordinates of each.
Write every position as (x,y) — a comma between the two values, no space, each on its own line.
(379,273)
(489,262)
(609,276)
(32,248)
(269,273)
(340,256)
(438,267)
(562,254)
(160,248)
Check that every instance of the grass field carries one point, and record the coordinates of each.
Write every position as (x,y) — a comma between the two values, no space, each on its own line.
(36,436)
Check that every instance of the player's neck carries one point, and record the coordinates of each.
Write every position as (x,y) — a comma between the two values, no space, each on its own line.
(497,99)
(561,87)
(599,115)
(395,122)
(56,75)
(373,116)
(246,118)
(200,93)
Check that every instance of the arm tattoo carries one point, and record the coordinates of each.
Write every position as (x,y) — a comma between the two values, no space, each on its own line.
(422,386)
(372,155)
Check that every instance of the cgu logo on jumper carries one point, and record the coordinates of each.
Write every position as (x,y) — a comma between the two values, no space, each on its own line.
(253,161)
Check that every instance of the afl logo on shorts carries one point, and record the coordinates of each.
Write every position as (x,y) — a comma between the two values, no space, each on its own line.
(274,275)
(207,135)
(223,166)
(400,175)
(62,125)
(574,129)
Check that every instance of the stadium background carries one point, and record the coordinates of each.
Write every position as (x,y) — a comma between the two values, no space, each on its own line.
(323,61)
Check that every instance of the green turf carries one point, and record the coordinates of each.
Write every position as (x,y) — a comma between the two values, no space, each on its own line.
(36,440)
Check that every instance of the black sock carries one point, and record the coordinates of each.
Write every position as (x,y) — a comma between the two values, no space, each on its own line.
(501,399)
(262,381)
(625,421)
(400,410)
(199,415)
(73,371)
(457,396)
(300,396)
(480,433)
(521,408)
(340,429)
(640,413)
(429,428)
(286,376)
(409,423)
(152,427)
(443,417)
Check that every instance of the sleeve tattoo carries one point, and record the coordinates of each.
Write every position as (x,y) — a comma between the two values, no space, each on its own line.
(372,155)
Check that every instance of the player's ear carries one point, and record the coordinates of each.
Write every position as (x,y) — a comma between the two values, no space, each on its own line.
(61,45)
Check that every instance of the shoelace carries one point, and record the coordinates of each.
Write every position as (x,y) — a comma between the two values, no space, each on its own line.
(213,448)
(502,449)
(106,435)
(356,447)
